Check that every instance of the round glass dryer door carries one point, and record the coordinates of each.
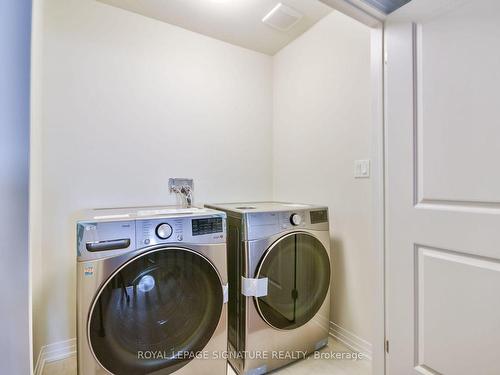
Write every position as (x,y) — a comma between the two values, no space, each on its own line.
(158,311)
(298,270)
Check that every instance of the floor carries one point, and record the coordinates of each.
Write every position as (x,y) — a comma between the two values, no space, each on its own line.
(306,366)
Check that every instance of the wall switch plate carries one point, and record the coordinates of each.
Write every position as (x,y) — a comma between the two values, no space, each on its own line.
(362,168)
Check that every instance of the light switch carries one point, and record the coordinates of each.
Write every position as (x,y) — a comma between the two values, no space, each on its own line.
(362,168)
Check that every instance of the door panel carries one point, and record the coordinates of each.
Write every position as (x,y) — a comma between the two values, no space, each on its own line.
(442,201)
(458,132)
(445,280)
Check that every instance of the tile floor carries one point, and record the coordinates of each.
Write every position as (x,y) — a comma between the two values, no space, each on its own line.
(303,367)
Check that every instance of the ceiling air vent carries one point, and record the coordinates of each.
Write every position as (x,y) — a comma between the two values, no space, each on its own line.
(282,17)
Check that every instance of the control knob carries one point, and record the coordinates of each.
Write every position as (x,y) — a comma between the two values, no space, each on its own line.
(164,231)
(295,219)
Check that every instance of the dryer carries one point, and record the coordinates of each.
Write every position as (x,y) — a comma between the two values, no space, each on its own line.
(152,292)
(279,277)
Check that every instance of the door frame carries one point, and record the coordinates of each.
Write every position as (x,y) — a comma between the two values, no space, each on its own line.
(379,198)
(374,19)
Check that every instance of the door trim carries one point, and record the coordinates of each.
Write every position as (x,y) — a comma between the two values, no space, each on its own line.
(379,152)
(370,17)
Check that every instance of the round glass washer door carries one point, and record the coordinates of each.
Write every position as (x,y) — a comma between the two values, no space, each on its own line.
(156,312)
(298,270)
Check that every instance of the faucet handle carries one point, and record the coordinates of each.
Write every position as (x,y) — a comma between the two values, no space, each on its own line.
(184,188)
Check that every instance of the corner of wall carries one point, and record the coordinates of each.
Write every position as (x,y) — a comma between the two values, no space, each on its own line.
(35,178)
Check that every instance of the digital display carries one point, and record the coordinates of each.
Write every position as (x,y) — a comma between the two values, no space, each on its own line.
(319,216)
(207,226)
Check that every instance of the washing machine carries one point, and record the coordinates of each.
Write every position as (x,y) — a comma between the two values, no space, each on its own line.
(152,292)
(279,277)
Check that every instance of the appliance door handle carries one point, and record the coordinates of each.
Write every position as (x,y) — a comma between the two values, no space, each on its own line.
(108,245)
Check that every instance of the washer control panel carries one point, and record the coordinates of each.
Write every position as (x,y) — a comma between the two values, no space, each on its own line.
(205,229)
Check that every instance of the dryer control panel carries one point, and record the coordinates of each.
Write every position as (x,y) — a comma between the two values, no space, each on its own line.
(265,224)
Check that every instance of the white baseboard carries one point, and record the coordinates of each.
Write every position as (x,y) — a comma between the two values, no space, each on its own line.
(351,340)
(66,349)
(54,352)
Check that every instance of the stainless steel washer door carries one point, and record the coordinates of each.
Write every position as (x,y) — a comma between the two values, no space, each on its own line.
(298,269)
(154,310)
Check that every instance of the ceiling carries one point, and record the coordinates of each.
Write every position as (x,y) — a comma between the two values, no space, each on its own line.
(237,22)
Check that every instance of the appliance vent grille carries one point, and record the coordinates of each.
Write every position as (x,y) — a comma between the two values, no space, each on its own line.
(282,17)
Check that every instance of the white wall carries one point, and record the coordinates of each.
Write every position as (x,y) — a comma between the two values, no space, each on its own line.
(15,28)
(122,102)
(125,102)
(321,125)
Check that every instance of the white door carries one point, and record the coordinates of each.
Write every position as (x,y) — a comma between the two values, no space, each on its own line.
(443,188)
